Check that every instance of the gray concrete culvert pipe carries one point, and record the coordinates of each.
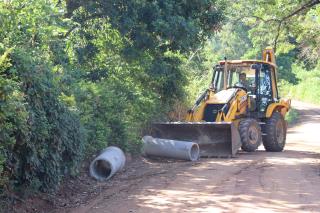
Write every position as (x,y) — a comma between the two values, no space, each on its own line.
(183,150)
(111,160)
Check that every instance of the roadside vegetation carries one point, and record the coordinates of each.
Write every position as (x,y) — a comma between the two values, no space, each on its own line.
(292,116)
(77,76)
(307,87)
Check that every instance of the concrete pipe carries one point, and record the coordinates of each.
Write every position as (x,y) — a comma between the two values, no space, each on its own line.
(111,160)
(183,150)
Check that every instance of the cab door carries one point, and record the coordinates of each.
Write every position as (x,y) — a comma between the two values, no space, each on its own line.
(265,90)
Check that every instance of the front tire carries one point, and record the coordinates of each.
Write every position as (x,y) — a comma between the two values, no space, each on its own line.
(250,134)
(276,132)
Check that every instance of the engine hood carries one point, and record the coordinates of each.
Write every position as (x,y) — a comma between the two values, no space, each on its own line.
(221,97)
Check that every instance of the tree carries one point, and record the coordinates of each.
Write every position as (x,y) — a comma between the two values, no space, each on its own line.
(272,28)
(154,25)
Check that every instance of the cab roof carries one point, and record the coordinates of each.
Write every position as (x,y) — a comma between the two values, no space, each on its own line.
(246,62)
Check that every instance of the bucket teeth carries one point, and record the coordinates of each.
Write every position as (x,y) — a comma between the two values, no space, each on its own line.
(215,139)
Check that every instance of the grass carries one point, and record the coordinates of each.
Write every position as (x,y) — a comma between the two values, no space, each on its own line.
(292,116)
(306,89)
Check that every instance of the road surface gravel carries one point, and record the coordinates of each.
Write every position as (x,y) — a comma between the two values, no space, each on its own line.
(288,181)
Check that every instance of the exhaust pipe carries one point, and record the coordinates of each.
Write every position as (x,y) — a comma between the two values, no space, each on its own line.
(183,150)
(110,161)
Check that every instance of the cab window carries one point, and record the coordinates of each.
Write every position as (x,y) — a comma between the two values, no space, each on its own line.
(264,91)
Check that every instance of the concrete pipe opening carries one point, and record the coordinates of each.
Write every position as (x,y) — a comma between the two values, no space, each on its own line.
(110,161)
(102,169)
(194,152)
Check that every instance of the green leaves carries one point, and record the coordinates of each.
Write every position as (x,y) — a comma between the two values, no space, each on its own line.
(273,23)
(41,139)
(166,25)
(13,116)
(87,74)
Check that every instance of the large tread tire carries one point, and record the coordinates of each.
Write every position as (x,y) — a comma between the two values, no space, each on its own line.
(275,131)
(250,134)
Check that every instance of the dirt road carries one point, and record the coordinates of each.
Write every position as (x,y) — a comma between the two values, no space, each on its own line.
(253,182)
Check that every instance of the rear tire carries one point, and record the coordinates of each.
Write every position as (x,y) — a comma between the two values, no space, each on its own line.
(250,134)
(276,132)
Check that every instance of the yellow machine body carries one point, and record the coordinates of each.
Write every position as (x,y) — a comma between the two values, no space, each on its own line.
(213,122)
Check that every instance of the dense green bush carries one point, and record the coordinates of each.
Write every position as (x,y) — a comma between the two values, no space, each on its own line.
(113,114)
(41,139)
(13,117)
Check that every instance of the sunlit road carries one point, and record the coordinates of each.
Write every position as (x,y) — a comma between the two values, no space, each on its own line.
(253,182)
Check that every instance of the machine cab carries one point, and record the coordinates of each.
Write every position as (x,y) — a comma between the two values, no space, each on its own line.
(257,78)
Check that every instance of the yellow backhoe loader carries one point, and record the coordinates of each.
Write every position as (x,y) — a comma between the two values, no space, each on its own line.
(241,108)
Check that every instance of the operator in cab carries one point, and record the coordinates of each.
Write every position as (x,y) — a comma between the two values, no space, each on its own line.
(243,81)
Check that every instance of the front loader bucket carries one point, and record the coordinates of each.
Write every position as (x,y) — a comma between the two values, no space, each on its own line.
(215,139)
